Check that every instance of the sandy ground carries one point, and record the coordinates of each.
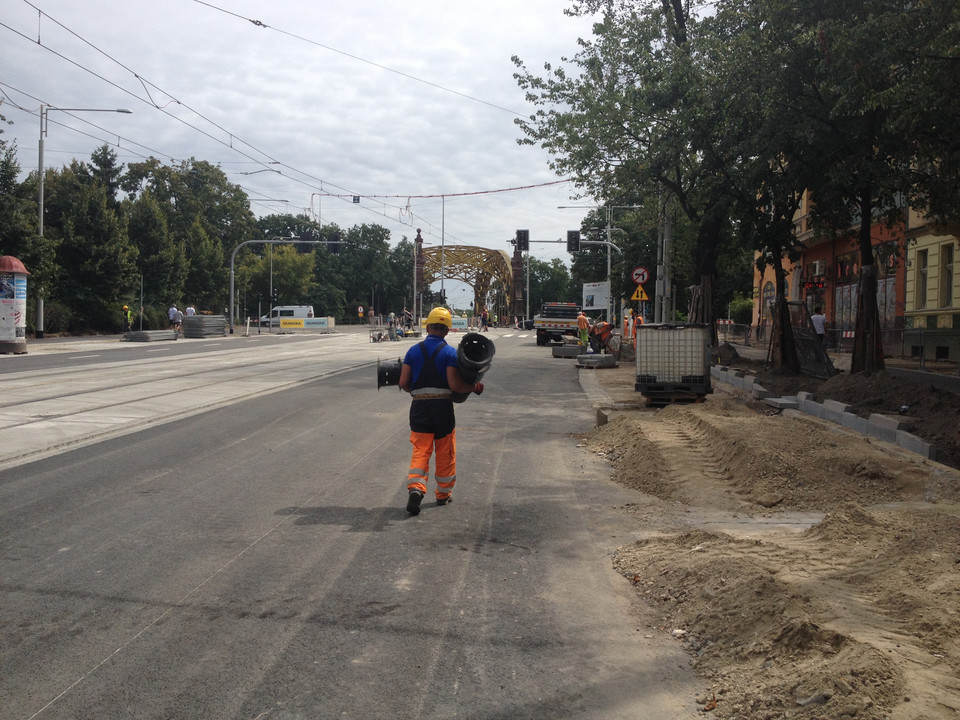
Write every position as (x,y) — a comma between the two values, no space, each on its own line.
(809,572)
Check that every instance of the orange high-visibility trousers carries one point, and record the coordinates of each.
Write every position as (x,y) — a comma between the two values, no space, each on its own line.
(424,445)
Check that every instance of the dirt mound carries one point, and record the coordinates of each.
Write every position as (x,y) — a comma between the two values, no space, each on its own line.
(763,461)
(812,626)
(809,572)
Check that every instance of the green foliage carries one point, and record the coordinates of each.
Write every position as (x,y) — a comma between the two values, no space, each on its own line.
(57,317)
(163,259)
(206,275)
(18,210)
(741,310)
(550,282)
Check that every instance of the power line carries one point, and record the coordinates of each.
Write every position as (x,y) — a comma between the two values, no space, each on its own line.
(263,25)
(305,177)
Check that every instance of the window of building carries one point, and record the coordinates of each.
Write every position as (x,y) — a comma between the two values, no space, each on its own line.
(920,294)
(946,275)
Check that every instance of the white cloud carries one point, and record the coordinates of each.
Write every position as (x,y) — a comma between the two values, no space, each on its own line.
(347,121)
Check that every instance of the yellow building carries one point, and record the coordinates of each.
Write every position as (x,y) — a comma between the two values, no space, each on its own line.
(932,297)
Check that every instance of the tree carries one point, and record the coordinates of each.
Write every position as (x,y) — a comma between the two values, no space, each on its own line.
(633,123)
(194,191)
(163,260)
(107,173)
(550,282)
(99,264)
(206,282)
(853,104)
(18,208)
(363,265)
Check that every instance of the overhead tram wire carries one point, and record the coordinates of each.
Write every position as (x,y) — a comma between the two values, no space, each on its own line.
(157,154)
(153,104)
(271,160)
(463,194)
(429,228)
(150,101)
(315,43)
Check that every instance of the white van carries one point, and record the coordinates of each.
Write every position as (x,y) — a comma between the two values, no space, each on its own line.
(286,311)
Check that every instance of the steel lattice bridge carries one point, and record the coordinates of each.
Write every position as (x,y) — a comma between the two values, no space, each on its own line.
(478,267)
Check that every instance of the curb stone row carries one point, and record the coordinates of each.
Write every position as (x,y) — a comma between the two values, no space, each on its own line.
(883,427)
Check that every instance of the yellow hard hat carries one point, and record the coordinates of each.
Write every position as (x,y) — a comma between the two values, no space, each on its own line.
(125,307)
(440,316)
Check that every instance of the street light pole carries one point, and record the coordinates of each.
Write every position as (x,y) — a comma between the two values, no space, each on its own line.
(44,109)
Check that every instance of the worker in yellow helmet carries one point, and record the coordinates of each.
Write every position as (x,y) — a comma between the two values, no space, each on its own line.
(430,374)
(128,318)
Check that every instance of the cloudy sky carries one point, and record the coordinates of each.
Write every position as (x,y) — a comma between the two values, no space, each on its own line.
(387,100)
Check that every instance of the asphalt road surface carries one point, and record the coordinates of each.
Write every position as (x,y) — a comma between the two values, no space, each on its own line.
(222,534)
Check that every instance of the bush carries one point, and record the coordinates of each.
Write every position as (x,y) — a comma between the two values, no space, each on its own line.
(154,318)
(57,317)
(741,310)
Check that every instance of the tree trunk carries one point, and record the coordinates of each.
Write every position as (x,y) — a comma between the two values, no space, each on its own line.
(867,343)
(783,349)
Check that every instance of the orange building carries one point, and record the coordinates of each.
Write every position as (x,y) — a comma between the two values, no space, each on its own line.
(827,274)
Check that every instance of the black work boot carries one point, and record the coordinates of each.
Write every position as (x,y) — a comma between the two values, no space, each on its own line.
(413,502)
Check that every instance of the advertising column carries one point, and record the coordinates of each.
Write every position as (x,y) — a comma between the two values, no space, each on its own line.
(13,305)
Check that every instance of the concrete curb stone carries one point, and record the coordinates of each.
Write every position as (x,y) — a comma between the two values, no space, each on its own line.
(883,427)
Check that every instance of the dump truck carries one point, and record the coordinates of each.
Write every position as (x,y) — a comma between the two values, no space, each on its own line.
(555,320)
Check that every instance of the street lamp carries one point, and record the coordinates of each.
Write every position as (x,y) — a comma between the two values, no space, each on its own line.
(44,109)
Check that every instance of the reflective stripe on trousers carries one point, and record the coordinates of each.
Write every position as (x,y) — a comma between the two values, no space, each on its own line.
(445,463)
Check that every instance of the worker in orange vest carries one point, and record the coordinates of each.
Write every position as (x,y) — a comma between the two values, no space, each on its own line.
(583,327)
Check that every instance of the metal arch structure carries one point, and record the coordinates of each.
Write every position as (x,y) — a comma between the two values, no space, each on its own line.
(476,266)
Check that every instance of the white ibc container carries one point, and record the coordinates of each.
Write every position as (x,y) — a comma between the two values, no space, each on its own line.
(673,357)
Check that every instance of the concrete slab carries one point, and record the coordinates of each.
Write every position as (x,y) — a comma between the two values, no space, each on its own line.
(596,361)
(759,392)
(565,351)
(837,406)
(915,444)
(891,422)
(782,403)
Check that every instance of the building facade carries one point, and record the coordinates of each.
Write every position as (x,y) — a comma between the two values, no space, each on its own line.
(932,293)
(827,276)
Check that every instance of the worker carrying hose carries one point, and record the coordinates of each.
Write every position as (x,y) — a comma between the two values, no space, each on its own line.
(431,375)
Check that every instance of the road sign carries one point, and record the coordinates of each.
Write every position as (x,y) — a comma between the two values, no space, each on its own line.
(640,275)
(640,294)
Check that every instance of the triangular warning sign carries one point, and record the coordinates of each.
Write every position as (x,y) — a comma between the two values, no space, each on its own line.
(640,294)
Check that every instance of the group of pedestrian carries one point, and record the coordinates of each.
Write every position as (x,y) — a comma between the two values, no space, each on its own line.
(175,315)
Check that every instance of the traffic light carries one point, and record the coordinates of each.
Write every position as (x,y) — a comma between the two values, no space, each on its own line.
(573,241)
(274,296)
(523,240)
(333,245)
